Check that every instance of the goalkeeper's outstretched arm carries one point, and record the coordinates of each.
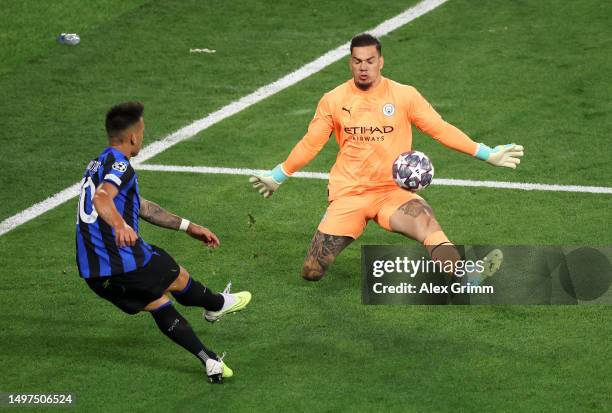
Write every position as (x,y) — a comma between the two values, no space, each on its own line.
(430,122)
(306,150)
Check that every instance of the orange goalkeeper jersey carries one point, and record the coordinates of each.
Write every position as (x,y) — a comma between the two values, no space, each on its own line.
(372,128)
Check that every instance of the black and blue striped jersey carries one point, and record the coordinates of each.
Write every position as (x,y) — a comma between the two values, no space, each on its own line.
(97,253)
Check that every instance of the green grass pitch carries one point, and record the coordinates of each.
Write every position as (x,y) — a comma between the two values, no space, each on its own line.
(534,72)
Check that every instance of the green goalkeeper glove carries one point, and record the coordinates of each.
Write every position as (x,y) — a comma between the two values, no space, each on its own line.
(502,155)
(268,182)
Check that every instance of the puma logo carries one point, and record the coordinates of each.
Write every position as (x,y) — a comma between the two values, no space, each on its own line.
(348,110)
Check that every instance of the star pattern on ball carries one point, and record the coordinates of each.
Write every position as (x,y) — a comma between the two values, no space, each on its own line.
(413,171)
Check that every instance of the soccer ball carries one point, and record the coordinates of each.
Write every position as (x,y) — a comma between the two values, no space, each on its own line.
(413,171)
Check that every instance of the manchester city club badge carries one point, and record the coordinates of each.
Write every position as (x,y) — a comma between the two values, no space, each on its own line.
(388,109)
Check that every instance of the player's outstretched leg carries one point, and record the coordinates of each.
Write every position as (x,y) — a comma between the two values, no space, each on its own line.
(190,292)
(323,250)
(415,219)
(177,329)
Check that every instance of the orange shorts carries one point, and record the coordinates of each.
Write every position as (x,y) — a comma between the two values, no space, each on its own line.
(349,215)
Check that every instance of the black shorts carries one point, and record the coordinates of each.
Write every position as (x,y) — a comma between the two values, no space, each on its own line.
(133,290)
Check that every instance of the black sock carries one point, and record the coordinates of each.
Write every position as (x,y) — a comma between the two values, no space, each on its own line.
(196,294)
(173,325)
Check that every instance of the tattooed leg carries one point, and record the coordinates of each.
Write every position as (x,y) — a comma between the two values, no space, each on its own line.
(415,219)
(323,251)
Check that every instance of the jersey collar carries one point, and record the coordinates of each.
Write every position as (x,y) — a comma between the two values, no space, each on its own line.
(118,154)
(372,91)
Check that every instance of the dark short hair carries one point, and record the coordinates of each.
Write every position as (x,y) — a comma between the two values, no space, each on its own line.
(122,116)
(366,39)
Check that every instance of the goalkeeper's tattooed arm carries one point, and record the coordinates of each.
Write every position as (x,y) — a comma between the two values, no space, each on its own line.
(156,215)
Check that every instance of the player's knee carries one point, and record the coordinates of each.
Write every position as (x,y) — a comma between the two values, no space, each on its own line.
(418,230)
(183,277)
(157,304)
(429,227)
(312,273)
(181,282)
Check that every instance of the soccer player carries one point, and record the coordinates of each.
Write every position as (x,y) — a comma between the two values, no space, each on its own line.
(371,117)
(119,266)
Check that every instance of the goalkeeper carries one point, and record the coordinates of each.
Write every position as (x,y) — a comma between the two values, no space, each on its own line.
(372,117)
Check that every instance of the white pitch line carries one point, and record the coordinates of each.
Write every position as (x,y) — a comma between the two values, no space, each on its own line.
(239,105)
(39,208)
(283,83)
(524,186)
(436,181)
(223,171)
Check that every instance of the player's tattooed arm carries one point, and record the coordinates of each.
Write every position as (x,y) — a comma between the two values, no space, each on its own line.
(156,215)
(323,251)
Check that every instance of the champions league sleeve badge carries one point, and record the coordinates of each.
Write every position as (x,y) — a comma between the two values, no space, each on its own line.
(120,166)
